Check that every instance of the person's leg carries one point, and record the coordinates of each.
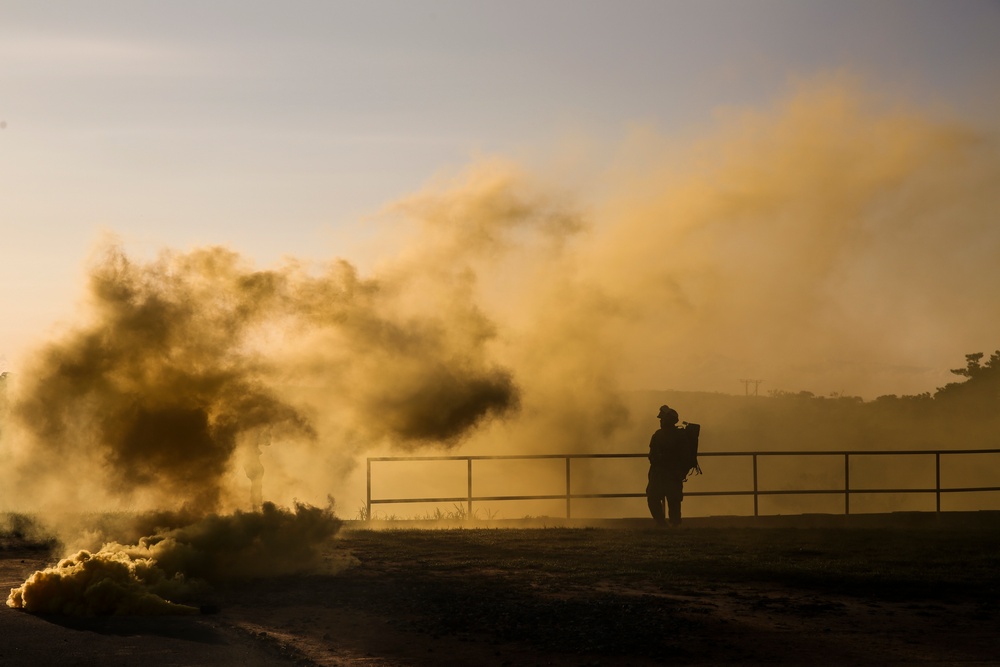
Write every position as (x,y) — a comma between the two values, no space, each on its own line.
(674,508)
(654,499)
(656,509)
(674,496)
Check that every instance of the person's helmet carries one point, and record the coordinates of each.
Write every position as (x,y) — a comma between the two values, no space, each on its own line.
(669,414)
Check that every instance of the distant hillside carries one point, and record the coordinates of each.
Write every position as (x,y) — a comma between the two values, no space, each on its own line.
(963,414)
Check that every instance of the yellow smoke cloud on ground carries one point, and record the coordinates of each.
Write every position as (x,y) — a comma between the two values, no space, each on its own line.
(166,571)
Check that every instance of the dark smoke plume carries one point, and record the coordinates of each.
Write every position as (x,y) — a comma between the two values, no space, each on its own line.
(161,383)
(178,366)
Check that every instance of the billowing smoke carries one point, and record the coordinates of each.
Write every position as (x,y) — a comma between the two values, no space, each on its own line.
(168,572)
(175,372)
(187,366)
(833,242)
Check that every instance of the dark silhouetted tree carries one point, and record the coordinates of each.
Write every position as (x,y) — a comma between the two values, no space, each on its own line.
(981,387)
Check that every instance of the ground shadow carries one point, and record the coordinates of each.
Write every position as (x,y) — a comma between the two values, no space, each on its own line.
(187,628)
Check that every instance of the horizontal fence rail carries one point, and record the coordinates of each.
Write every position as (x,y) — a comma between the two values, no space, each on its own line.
(755,491)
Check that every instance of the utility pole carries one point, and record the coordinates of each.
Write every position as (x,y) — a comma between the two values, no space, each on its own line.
(747,383)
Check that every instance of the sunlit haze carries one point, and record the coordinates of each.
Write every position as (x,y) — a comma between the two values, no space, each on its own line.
(390,226)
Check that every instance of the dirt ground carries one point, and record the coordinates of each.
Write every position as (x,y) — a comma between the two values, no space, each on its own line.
(556,597)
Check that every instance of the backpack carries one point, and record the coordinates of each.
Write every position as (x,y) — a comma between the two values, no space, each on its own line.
(691,433)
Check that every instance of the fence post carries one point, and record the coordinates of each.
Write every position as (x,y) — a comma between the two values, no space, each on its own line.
(567,487)
(755,485)
(937,481)
(368,498)
(847,483)
(470,487)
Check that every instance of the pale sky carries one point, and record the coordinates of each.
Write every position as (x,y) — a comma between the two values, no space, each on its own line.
(280,128)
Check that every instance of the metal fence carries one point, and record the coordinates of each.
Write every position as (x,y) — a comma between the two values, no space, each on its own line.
(753,457)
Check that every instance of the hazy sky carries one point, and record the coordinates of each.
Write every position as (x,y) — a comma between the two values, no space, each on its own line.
(280,128)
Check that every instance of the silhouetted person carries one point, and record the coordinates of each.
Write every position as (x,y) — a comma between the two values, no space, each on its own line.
(671,457)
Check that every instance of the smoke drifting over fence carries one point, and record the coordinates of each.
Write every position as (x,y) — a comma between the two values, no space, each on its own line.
(155,392)
(832,242)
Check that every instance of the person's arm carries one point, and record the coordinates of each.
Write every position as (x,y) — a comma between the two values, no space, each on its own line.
(656,453)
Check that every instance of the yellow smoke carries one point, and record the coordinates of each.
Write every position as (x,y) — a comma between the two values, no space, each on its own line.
(152,397)
(813,245)
(834,241)
(166,571)
(108,582)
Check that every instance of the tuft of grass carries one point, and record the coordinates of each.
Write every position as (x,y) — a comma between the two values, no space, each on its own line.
(458,513)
